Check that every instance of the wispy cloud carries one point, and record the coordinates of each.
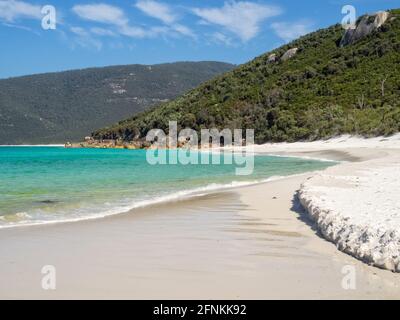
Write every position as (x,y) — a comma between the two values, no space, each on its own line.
(221,38)
(11,10)
(103,32)
(110,15)
(79,31)
(241,18)
(119,22)
(186,31)
(21,27)
(84,38)
(102,13)
(289,31)
(164,13)
(157,10)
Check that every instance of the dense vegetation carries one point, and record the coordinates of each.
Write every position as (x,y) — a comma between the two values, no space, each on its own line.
(66,106)
(323,91)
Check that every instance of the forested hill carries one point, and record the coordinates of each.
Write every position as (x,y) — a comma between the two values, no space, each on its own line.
(324,84)
(66,106)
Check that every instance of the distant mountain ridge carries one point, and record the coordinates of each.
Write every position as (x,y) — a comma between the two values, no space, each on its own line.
(327,83)
(66,106)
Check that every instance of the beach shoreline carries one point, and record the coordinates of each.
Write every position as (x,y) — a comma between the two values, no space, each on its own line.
(252,242)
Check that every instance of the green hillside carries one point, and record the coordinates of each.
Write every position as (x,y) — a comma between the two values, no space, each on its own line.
(324,90)
(66,106)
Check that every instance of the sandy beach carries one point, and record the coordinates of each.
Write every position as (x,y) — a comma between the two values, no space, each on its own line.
(254,242)
(355,205)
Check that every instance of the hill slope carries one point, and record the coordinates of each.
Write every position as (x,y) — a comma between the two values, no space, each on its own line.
(320,90)
(56,107)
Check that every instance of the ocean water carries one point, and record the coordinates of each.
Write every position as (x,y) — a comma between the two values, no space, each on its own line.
(40,185)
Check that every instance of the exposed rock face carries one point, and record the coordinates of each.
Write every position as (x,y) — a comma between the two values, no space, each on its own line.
(367,25)
(272,58)
(381,18)
(289,54)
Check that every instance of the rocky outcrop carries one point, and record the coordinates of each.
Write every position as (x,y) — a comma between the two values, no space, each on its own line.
(366,25)
(289,54)
(272,58)
(91,143)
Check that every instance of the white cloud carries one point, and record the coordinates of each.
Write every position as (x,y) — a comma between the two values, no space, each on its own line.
(111,15)
(102,32)
(11,10)
(16,26)
(183,30)
(79,31)
(165,14)
(241,18)
(158,10)
(133,32)
(219,37)
(290,31)
(120,24)
(102,13)
(84,39)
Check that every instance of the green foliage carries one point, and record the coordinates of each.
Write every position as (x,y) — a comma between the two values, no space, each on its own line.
(323,91)
(66,106)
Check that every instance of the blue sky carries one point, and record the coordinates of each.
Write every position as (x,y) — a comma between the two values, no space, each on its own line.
(113,32)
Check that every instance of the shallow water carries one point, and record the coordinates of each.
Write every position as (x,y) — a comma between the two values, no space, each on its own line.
(54,184)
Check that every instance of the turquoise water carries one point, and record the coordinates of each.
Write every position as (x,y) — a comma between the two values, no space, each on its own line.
(54,184)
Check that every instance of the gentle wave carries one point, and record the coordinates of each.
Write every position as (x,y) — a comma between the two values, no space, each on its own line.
(117,210)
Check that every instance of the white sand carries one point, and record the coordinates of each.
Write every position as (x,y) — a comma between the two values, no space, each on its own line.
(342,142)
(355,205)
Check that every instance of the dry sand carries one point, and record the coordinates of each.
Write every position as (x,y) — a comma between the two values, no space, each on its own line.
(355,205)
(248,243)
